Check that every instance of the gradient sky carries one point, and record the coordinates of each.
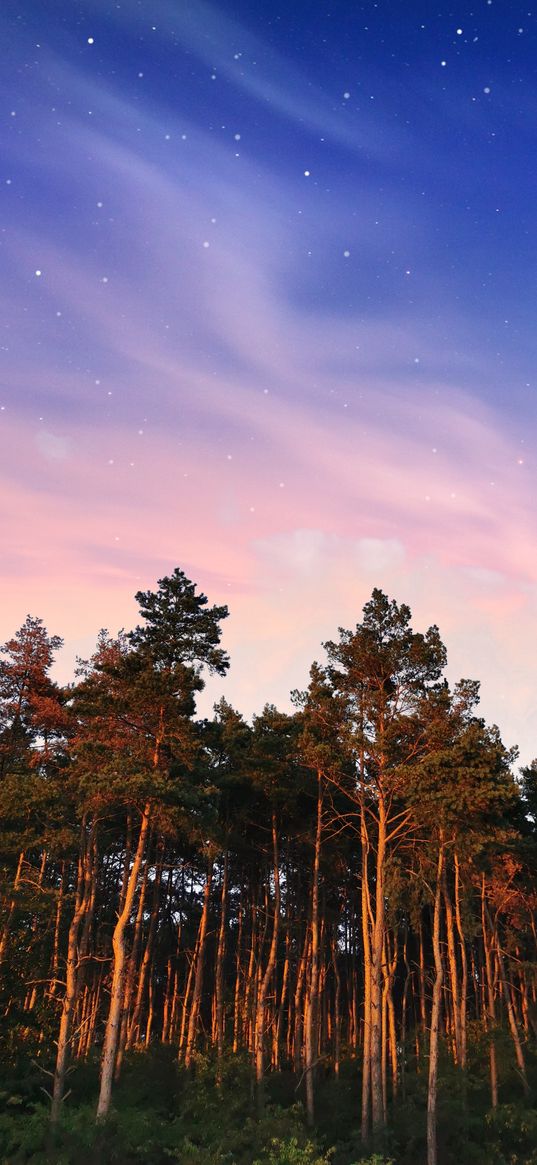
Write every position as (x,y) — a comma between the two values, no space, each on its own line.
(269,285)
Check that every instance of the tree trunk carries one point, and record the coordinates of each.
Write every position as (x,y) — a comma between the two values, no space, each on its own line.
(453,973)
(237,991)
(435,1015)
(82,900)
(143,974)
(11,910)
(276,1043)
(377,947)
(130,973)
(515,1035)
(337,1005)
(491,1009)
(56,941)
(259,1035)
(198,980)
(298,1025)
(464,962)
(366,1048)
(313,992)
(118,973)
(219,973)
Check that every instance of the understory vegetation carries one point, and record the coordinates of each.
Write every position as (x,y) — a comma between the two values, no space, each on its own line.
(305,940)
(163,1114)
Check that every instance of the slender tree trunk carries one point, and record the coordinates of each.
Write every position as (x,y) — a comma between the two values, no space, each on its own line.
(82,900)
(423,1003)
(219,973)
(313,992)
(435,1014)
(11,910)
(130,973)
(276,1045)
(237,992)
(144,972)
(404,1005)
(119,963)
(453,974)
(464,963)
(198,980)
(259,1038)
(87,1042)
(377,947)
(56,941)
(249,987)
(127,862)
(186,996)
(392,1032)
(491,1010)
(384,1037)
(298,1025)
(515,1035)
(366,1048)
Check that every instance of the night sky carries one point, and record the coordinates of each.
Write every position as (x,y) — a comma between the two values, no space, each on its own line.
(269,287)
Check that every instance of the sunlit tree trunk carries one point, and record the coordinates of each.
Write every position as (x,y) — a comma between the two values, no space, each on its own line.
(298,1007)
(237,990)
(144,975)
(435,1015)
(464,964)
(11,909)
(278,1026)
(198,979)
(377,946)
(313,986)
(82,901)
(259,1040)
(491,1009)
(513,1027)
(219,971)
(337,1005)
(186,996)
(366,1048)
(249,987)
(130,973)
(118,972)
(55,963)
(453,973)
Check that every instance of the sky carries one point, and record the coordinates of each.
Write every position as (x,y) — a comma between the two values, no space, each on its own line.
(269,276)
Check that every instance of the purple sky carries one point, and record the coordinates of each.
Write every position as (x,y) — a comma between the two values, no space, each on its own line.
(268,287)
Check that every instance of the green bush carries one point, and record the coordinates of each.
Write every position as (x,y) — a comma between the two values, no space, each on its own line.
(289,1152)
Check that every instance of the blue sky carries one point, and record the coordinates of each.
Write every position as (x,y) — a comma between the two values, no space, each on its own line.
(267,300)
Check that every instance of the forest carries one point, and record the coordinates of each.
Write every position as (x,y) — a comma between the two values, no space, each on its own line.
(305,940)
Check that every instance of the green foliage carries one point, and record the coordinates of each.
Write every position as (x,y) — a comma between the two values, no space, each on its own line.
(513,1135)
(179,627)
(292,1153)
(163,1115)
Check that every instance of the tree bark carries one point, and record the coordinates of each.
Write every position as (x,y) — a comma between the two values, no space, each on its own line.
(119,963)
(198,980)
(435,1015)
(11,910)
(377,946)
(366,1046)
(259,1035)
(491,1009)
(219,973)
(82,901)
(313,987)
(464,963)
